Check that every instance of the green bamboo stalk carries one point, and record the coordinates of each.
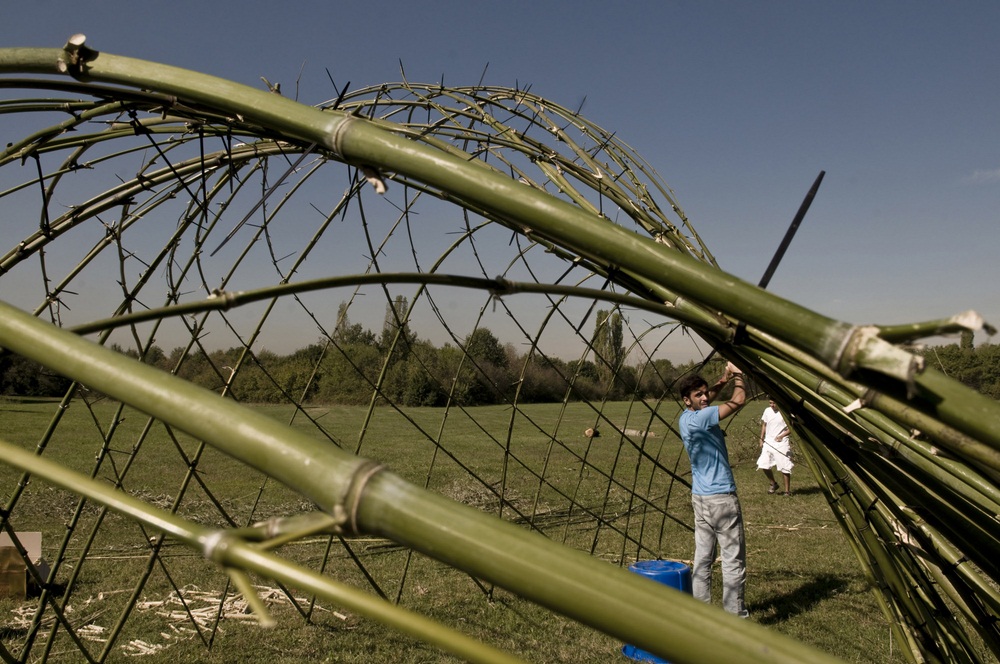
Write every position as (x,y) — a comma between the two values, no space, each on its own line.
(226,300)
(107,201)
(278,531)
(967,321)
(22,148)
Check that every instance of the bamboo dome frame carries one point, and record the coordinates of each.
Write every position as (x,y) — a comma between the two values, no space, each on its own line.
(908,458)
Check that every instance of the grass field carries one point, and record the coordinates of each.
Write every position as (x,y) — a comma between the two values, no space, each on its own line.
(804,580)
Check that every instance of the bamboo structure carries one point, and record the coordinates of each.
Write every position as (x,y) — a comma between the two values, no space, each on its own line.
(204,169)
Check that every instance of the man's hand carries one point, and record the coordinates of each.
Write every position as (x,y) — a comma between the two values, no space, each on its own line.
(739,393)
(732,370)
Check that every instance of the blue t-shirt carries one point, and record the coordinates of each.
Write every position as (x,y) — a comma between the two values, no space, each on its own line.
(706,447)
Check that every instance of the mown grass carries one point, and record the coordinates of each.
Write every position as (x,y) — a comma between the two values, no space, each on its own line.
(804,579)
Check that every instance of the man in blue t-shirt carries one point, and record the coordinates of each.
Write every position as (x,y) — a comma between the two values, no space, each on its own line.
(717,514)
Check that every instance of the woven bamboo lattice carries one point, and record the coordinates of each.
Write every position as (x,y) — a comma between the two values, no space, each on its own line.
(159,208)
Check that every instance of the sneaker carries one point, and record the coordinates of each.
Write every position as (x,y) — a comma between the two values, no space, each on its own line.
(774,488)
(788,493)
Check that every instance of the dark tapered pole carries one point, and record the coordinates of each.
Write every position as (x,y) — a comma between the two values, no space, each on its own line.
(785,241)
(790,233)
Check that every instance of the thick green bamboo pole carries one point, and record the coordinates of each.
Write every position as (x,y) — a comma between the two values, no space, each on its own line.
(364,497)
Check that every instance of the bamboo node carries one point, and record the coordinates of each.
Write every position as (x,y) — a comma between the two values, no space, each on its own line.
(228,297)
(337,137)
(503,287)
(214,545)
(352,498)
(865,349)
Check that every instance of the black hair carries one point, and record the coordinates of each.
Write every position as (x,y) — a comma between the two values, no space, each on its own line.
(690,384)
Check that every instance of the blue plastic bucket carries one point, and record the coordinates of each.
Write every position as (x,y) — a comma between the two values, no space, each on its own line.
(670,573)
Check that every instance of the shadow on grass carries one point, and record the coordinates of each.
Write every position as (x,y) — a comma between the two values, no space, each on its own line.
(780,608)
(805,491)
(796,491)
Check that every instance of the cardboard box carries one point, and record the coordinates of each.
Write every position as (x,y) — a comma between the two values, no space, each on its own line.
(13,573)
(14,576)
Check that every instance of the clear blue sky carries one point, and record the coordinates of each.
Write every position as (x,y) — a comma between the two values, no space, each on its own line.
(738,105)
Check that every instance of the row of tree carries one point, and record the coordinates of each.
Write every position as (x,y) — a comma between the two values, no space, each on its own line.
(354,363)
(346,368)
(978,367)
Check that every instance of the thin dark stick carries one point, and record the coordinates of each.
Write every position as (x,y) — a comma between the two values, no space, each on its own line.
(790,233)
(785,241)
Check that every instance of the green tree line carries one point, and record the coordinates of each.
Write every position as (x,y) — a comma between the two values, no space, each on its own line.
(346,367)
(978,367)
(353,363)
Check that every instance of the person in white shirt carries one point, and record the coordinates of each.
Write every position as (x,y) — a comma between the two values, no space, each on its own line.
(775,448)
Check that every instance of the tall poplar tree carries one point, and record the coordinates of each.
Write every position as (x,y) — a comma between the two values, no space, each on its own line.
(608,345)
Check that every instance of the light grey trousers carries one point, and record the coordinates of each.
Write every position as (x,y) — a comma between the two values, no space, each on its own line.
(718,519)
